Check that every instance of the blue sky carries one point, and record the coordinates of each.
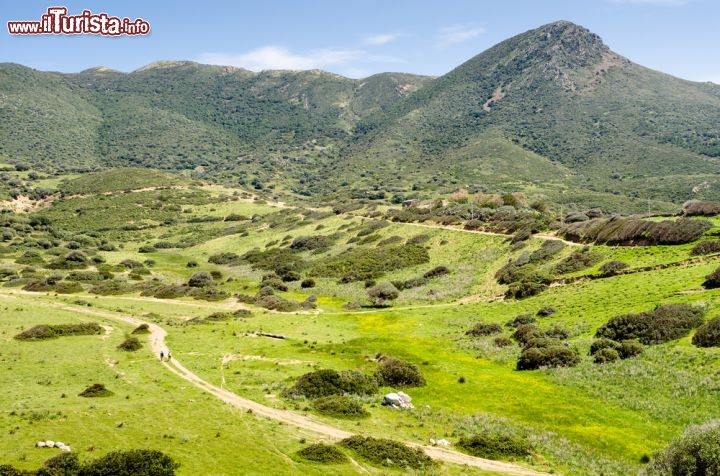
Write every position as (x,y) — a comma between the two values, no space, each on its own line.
(357,39)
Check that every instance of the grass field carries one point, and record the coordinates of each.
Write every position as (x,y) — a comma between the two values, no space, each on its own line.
(589,419)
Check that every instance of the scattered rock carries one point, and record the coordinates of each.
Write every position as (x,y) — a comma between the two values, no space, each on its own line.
(398,400)
(439,442)
(40,444)
(50,443)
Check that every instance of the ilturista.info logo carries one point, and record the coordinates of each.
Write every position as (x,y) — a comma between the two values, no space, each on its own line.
(57,22)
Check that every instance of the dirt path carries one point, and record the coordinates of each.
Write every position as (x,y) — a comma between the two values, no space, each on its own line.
(542,236)
(158,344)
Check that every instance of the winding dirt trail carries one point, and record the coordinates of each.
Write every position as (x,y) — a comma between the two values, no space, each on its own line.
(158,344)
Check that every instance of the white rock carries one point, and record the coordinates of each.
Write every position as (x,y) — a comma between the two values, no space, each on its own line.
(40,444)
(50,443)
(59,444)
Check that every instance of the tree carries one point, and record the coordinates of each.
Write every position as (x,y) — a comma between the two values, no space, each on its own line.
(382,292)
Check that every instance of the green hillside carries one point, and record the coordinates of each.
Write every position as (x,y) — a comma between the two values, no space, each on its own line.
(551,112)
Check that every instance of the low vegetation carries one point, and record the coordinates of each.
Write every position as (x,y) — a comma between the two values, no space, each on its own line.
(389,453)
(495,446)
(323,453)
(665,323)
(47,331)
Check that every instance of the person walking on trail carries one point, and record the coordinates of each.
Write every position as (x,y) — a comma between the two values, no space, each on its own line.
(162,354)
(169,356)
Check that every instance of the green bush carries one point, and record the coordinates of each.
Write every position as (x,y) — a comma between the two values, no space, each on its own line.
(519,320)
(322,453)
(554,356)
(64,464)
(612,268)
(546,311)
(696,452)
(702,248)
(708,334)
(96,390)
(493,446)
(665,323)
(388,453)
(578,260)
(200,280)
(502,342)
(44,331)
(547,250)
(339,406)
(111,287)
(630,348)
(226,258)
(712,280)
(636,232)
(142,329)
(307,283)
(605,355)
(603,343)
(371,262)
(436,271)
(326,382)
(132,462)
(393,372)
(481,329)
(131,344)
(311,243)
(525,332)
(382,292)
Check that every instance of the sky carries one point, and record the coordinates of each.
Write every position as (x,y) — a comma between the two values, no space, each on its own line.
(358,39)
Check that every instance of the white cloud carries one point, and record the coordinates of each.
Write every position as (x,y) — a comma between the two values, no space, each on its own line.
(665,3)
(381,39)
(275,57)
(458,34)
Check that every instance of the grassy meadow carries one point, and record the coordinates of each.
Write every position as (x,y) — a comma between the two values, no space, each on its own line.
(587,419)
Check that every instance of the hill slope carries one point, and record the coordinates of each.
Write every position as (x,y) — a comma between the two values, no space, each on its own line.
(548,111)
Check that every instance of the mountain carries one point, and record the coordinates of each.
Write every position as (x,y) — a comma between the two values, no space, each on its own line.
(552,112)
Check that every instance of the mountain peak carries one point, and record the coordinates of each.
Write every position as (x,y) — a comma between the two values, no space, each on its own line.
(567,44)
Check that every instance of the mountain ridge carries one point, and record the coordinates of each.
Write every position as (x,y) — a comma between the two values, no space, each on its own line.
(556,98)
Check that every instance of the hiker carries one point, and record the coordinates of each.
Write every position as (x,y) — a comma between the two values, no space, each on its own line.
(169,356)
(162,354)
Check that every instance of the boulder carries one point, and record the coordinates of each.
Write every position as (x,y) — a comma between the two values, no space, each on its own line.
(40,444)
(50,443)
(439,442)
(397,400)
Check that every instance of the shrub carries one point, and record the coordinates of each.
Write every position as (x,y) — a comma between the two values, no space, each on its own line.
(630,348)
(605,355)
(436,271)
(493,446)
(502,342)
(200,280)
(708,334)
(64,464)
(481,329)
(310,243)
(371,262)
(700,208)
(225,258)
(695,452)
(546,311)
(339,406)
(389,453)
(520,319)
(547,250)
(554,356)
(147,249)
(326,382)
(96,390)
(557,332)
(322,453)
(132,462)
(525,332)
(307,283)
(131,264)
(131,344)
(712,280)
(111,287)
(273,281)
(665,323)
(637,232)
(276,303)
(578,260)
(418,239)
(603,343)
(44,331)
(397,373)
(141,329)
(702,248)
(613,267)
(382,292)
(408,284)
